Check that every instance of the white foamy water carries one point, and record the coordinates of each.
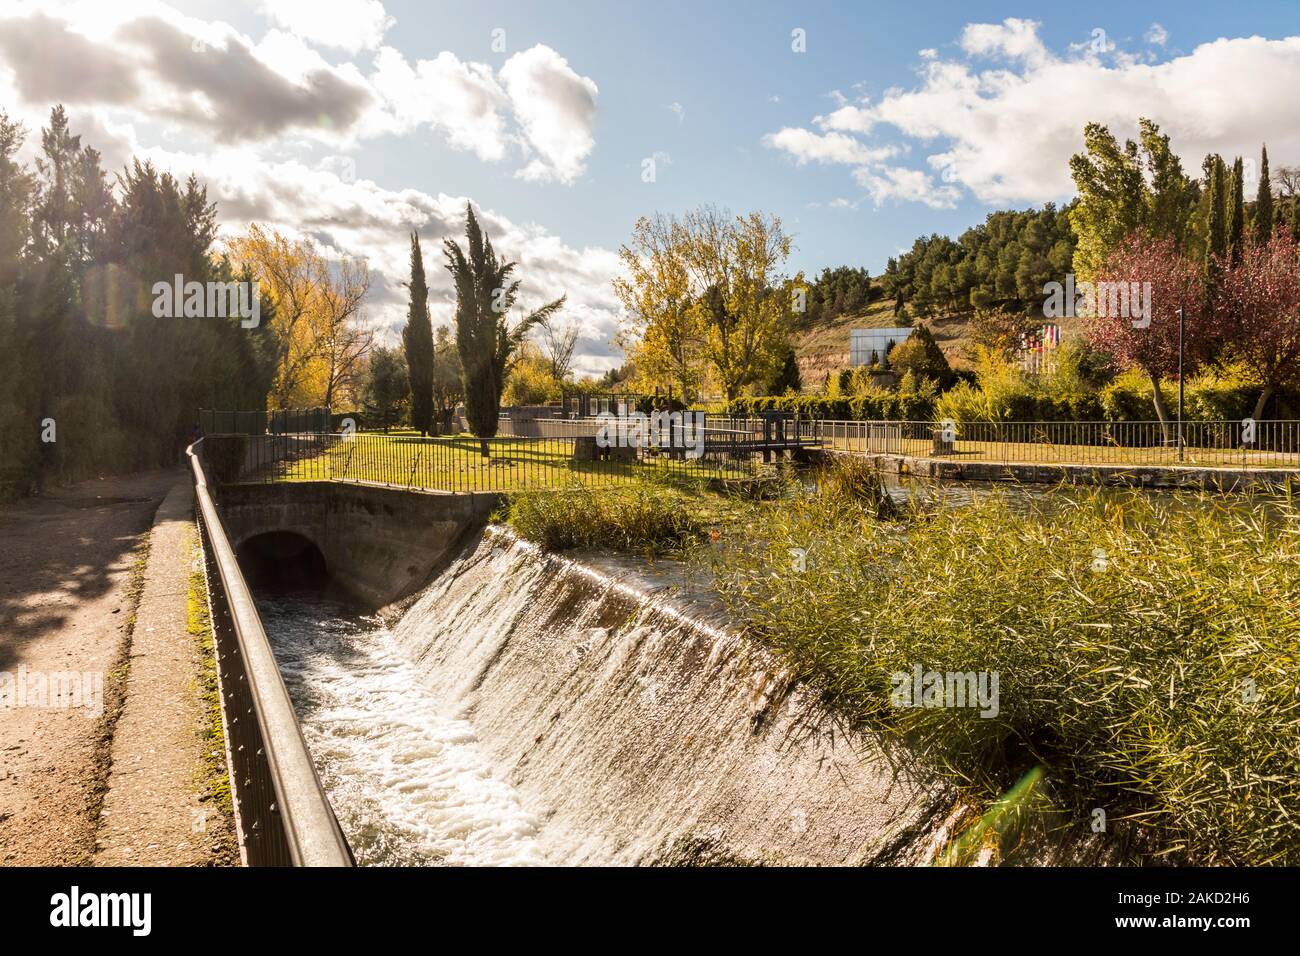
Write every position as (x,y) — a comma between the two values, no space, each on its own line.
(406,777)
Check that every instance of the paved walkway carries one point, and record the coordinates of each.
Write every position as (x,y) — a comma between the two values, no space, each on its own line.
(154,813)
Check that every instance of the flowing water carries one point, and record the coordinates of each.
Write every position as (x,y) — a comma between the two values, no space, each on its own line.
(529,709)
(406,779)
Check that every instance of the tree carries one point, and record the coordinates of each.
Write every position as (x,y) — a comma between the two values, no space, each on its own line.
(1264,201)
(341,342)
(706,293)
(386,387)
(788,378)
(417,340)
(530,381)
(661,330)
(316,308)
(447,389)
(998,331)
(1216,184)
(1236,212)
(920,354)
(485,294)
(558,342)
(1150,342)
(1260,295)
(1140,185)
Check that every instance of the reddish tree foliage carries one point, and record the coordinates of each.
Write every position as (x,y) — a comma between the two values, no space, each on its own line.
(1159,281)
(1259,298)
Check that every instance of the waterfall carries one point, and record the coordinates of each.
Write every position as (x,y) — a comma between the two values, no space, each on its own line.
(625,725)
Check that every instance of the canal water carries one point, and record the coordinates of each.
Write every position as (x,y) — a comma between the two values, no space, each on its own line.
(407,779)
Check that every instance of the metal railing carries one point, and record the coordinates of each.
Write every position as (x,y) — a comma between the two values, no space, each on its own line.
(1221,444)
(457,464)
(284,816)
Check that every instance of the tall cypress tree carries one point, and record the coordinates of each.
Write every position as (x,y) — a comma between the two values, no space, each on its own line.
(1216,242)
(417,339)
(1236,212)
(1264,201)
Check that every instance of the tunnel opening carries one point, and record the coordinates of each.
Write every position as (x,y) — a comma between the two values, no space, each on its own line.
(281,562)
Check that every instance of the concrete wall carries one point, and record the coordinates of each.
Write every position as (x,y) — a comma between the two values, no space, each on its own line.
(380,544)
(1140,476)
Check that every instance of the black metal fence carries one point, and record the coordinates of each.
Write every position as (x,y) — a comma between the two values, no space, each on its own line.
(280,422)
(1208,444)
(512,463)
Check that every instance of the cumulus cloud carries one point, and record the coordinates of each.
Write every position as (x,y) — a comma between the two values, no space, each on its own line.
(1001,119)
(351,25)
(556,108)
(157,63)
(1157,35)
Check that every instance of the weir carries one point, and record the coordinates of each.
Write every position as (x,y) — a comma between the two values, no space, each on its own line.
(628,724)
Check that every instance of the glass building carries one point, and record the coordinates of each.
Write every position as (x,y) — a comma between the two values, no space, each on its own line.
(868,345)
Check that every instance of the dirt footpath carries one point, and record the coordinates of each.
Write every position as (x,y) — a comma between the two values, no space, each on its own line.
(158,810)
(65,567)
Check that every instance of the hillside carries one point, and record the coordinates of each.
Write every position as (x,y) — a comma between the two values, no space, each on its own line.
(825,347)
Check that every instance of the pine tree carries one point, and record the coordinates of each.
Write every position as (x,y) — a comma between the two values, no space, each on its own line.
(1264,201)
(1236,212)
(417,339)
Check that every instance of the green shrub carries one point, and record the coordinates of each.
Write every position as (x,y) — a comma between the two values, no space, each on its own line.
(643,518)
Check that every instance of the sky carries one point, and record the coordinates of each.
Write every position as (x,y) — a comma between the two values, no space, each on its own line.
(861,125)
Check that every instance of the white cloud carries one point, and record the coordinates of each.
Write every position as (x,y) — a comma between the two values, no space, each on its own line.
(1157,35)
(1012,39)
(151,61)
(1005,130)
(678,110)
(351,25)
(463,100)
(807,147)
(557,110)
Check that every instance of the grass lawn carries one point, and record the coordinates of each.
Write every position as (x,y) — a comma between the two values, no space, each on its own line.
(457,464)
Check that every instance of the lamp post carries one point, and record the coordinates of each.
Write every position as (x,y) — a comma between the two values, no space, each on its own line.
(1180,384)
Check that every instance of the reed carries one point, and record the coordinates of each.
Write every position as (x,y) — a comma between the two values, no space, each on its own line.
(1147,647)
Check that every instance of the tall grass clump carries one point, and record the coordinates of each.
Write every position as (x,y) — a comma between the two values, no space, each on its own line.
(644,517)
(1147,648)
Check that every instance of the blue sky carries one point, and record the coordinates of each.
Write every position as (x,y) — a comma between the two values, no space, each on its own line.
(351,121)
